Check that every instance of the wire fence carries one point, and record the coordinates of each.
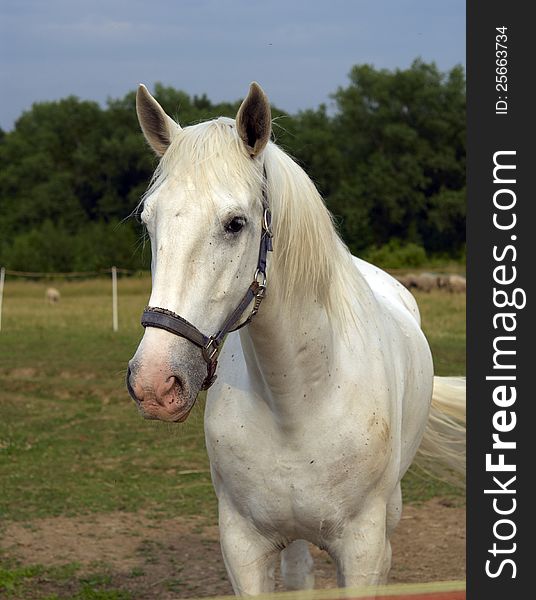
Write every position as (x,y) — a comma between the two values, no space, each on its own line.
(69,275)
(113,271)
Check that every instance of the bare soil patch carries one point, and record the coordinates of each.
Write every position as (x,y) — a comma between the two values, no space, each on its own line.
(180,558)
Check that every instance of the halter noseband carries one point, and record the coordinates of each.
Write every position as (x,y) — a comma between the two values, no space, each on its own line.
(162,318)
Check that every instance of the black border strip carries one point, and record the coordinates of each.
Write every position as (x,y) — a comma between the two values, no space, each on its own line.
(492,128)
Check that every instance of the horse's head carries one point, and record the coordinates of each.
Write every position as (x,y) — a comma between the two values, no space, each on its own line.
(204,214)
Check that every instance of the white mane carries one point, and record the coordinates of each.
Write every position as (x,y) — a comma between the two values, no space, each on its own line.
(309,257)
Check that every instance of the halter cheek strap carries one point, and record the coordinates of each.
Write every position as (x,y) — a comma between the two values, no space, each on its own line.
(161,318)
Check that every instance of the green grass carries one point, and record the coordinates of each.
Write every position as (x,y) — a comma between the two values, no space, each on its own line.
(443,322)
(71,440)
(32,581)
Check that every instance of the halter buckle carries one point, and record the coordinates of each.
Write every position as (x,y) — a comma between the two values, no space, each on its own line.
(259,294)
(210,350)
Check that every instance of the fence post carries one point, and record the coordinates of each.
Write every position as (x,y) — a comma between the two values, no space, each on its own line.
(115,324)
(2,279)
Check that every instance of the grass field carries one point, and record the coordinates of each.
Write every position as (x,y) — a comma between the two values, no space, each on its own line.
(71,440)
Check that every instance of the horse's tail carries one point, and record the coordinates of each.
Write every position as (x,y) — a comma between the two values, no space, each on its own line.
(442,450)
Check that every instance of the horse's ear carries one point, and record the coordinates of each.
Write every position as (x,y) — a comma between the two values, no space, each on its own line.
(157,127)
(254,120)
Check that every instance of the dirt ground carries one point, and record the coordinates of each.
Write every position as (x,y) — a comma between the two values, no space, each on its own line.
(181,558)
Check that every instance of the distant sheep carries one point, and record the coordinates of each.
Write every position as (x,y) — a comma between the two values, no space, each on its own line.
(455,284)
(407,280)
(52,295)
(425,282)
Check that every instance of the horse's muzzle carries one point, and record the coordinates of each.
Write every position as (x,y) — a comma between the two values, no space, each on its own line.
(163,396)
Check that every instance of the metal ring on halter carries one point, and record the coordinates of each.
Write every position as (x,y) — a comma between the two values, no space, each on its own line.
(262,284)
(266,222)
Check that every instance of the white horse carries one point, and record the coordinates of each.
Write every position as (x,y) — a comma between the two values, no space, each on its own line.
(322,401)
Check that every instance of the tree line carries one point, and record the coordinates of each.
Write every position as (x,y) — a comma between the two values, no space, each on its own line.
(388,157)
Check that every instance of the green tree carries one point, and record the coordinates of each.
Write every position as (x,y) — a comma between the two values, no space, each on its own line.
(389,159)
(402,142)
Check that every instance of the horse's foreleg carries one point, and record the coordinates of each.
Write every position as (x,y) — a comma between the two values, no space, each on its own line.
(297,566)
(248,556)
(363,553)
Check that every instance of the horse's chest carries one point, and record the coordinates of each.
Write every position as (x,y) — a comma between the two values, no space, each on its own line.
(312,483)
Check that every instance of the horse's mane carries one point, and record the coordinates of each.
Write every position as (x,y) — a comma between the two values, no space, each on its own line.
(310,258)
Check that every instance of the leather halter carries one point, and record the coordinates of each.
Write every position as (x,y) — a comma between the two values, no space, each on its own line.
(162,318)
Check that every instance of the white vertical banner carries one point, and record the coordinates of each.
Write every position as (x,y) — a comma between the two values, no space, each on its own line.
(115,323)
(2,279)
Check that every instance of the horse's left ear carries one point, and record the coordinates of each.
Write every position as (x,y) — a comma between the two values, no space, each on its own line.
(254,120)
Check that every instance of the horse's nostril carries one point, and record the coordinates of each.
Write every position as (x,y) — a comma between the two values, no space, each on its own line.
(129,385)
(174,387)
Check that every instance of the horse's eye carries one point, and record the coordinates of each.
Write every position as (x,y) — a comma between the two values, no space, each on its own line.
(235,225)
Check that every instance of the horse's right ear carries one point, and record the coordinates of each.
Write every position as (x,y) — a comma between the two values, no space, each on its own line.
(157,127)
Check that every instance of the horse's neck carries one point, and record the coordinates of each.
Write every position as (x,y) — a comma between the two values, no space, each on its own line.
(292,358)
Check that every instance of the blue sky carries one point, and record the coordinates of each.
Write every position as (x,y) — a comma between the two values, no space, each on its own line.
(299,51)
